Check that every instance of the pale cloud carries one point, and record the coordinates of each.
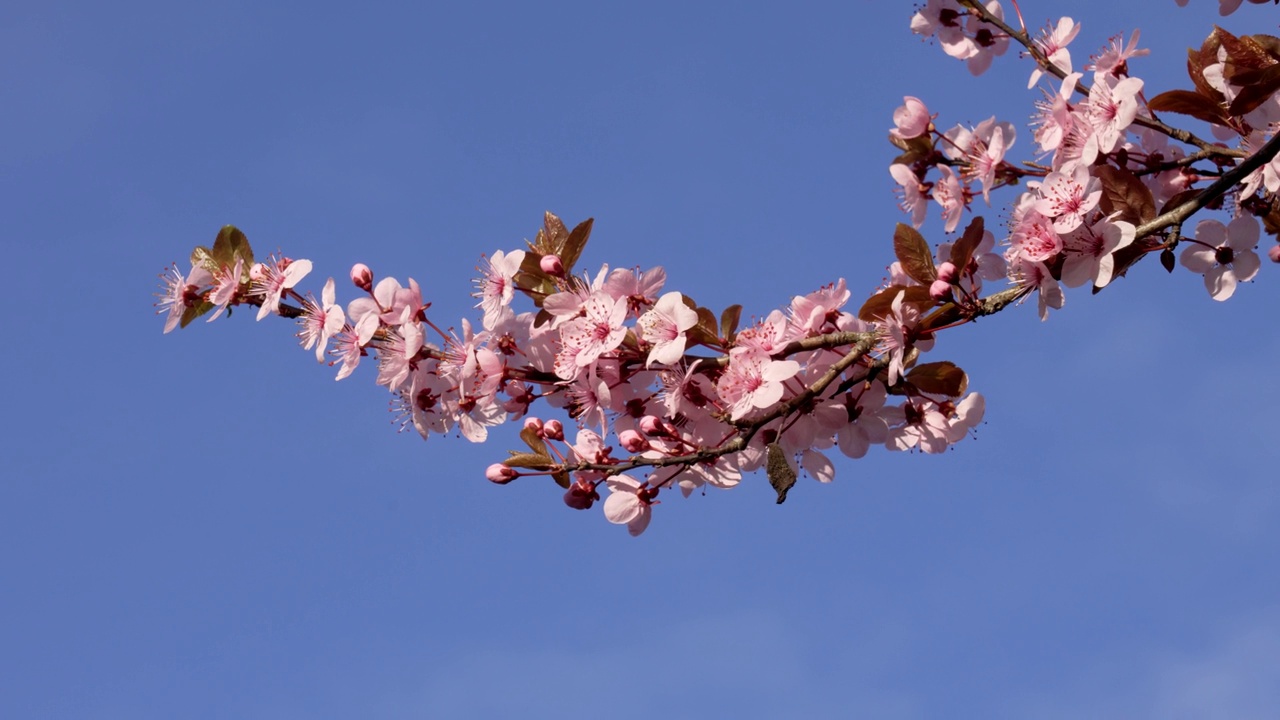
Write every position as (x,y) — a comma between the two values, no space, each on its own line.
(740,664)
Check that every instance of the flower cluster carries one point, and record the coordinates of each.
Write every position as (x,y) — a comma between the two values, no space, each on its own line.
(668,395)
(1114,187)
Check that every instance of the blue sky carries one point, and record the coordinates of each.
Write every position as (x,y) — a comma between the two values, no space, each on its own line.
(205,525)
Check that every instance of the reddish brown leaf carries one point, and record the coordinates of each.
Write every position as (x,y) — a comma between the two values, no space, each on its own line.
(880,305)
(1185,102)
(1124,194)
(914,254)
(939,378)
(962,250)
(1259,88)
(573,245)
(729,321)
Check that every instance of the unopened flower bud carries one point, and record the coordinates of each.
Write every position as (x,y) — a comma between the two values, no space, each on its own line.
(501,474)
(633,441)
(553,430)
(653,426)
(362,276)
(534,424)
(580,495)
(552,265)
(947,272)
(258,272)
(940,290)
(1274,253)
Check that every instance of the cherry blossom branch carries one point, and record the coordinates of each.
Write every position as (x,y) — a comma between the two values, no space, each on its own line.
(862,343)
(1023,38)
(1217,189)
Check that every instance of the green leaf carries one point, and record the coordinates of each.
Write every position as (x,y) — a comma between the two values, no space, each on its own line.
(1123,194)
(561,478)
(939,378)
(913,150)
(914,254)
(202,256)
(231,245)
(194,311)
(530,461)
(781,475)
(531,438)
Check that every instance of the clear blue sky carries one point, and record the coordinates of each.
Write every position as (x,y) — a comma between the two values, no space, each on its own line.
(206,525)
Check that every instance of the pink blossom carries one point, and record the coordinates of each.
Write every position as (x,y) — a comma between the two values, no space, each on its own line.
(1114,59)
(911,119)
(914,201)
(273,278)
(947,193)
(988,41)
(226,285)
(320,321)
(917,423)
(1274,253)
(1033,237)
(391,303)
(865,427)
(818,312)
(179,293)
(753,380)
(1053,43)
(665,326)
(899,328)
(1110,109)
(1054,120)
(348,345)
(1090,252)
(629,503)
(943,18)
(1224,253)
(585,339)
(1068,197)
(1032,274)
(496,286)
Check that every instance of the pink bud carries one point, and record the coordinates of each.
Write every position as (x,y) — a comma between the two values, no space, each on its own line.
(653,426)
(500,474)
(911,120)
(534,424)
(940,290)
(362,276)
(552,265)
(581,495)
(258,272)
(947,272)
(553,430)
(1274,253)
(633,441)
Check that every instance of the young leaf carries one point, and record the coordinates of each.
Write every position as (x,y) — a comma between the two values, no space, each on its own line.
(962,250)
(531,438)
(729,321)
(574,244)
(939,378)
(914,254)
(1124,194)
(1185,102)
(781,476)
(531,461)
(879,306)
